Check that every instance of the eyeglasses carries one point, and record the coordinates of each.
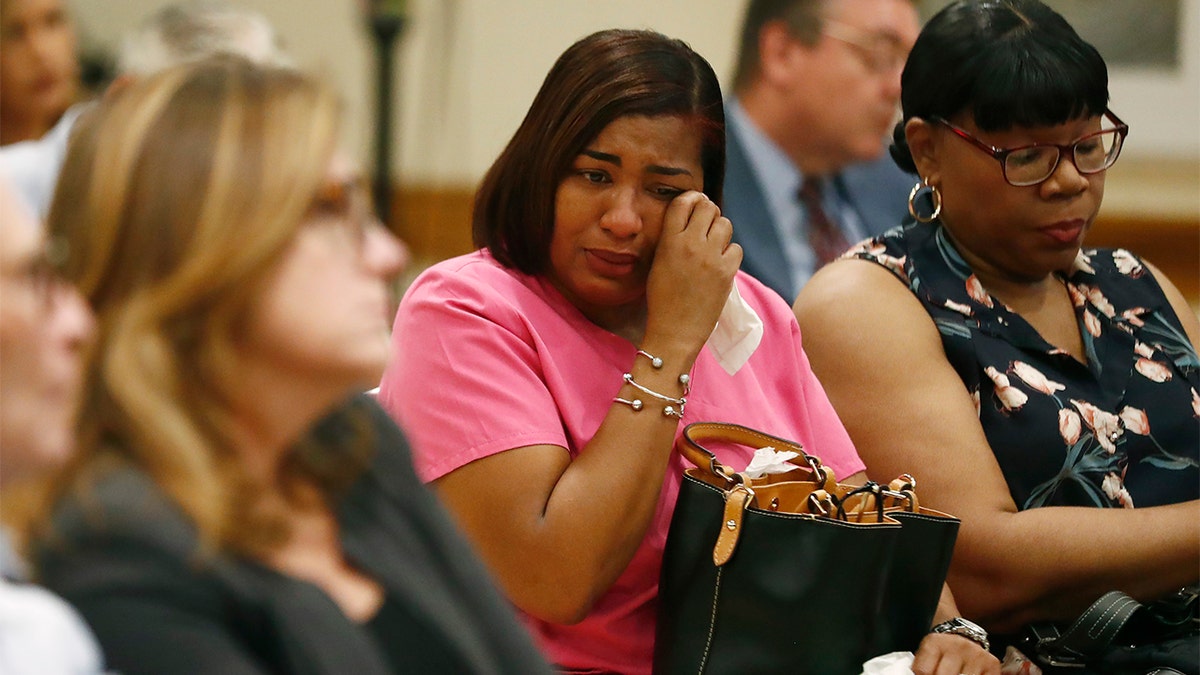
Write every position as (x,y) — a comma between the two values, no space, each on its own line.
(1033,164)
(42,273)
(347,204)
(881,53)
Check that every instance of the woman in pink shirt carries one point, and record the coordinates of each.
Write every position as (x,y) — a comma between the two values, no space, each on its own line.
(543,377)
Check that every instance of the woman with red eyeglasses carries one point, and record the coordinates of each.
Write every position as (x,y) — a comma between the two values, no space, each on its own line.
(1043,391)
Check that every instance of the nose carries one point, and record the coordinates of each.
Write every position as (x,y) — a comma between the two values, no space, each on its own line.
(1066,178)
(43,45)
(384,253)
(891,81)
(621,216)
(72,321)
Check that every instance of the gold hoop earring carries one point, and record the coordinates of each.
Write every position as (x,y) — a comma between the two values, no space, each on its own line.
(935,196)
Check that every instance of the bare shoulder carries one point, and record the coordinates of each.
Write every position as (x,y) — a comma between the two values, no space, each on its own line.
(881,360)
(1184,310)
(855,302)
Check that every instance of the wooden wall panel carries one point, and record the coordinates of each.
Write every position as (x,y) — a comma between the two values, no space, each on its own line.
(1172,244)
(436,224)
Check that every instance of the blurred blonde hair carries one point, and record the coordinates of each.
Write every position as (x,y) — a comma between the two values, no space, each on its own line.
(176,200)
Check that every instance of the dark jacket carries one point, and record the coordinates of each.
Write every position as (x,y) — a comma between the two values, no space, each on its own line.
(877,191)
(129,562)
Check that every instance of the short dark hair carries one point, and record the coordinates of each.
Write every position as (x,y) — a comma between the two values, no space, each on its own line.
(604,76)
(1010,62)
(804,19)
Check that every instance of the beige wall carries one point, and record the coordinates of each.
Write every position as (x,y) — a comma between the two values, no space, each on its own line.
(469,69)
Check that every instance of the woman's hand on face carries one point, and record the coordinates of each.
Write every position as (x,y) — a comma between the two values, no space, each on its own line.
(693,270)
(948,654)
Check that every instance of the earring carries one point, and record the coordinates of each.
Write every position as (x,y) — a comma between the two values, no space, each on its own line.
(935,197)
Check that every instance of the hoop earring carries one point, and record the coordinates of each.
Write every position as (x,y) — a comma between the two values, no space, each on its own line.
(935,196)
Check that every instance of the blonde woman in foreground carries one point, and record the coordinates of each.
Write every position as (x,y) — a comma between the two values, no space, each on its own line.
(230,511)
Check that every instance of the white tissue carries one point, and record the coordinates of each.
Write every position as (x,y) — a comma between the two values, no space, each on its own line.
(768,460)
(896,663)
(738,331)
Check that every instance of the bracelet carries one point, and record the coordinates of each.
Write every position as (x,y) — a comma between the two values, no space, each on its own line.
(654,360)
(637,405)
(657,363)
(681,401)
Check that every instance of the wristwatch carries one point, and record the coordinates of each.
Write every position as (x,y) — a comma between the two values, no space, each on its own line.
(968,629)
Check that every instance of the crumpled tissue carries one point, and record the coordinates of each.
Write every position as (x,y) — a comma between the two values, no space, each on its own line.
(738,332)
(768,460)
(896,663)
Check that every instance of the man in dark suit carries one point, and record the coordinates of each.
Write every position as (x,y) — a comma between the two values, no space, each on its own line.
(814,100)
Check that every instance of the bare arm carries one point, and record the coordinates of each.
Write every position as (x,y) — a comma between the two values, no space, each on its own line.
(881,360)
(558,532)
(1187,315)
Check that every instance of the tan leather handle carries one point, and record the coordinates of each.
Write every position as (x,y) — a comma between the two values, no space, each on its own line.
(690,445)
(903,494)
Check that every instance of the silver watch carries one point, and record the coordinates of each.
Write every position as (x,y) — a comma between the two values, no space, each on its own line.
(968,629)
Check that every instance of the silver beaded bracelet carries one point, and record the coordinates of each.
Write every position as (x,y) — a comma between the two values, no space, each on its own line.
(650,392)
(637,405)
(685,380)
(654,360)
(674,407)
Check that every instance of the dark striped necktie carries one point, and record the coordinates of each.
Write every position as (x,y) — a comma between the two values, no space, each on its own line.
(824,236)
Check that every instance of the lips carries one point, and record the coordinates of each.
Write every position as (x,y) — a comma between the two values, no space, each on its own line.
(1064,232)
(45,82)
(611,263)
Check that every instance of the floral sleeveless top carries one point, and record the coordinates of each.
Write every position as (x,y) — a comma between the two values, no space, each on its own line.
(1120,431)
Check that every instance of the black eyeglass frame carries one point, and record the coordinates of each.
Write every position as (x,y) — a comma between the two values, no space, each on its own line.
(1001,154)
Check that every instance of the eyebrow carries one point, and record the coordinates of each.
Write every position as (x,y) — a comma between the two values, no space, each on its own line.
(653,168)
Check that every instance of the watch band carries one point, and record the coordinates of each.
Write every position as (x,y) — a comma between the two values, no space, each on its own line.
(970,630)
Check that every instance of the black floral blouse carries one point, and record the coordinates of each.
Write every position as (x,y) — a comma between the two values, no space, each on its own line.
(1120,431)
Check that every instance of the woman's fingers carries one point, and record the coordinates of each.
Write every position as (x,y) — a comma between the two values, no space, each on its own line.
(721,230)
(679,212)
(692,213)
(945,654)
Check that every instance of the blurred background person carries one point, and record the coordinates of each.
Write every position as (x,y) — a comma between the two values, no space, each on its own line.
(1041,390)
(174,34)
(192,30)
(815,95)
(241,287)
(39,67)
(44,328)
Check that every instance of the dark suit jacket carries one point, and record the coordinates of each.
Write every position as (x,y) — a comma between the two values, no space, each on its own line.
(877,191)
(127,558)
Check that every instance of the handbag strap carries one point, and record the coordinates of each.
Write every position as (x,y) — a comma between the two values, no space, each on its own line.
(1093,631)
(691,446)
(739,489)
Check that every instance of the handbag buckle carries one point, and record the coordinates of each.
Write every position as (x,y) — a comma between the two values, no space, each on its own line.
(1042,639)
(1188,594)
(1058,663)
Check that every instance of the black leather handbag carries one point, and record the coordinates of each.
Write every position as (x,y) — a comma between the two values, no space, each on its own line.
(793,572)
(1118,635)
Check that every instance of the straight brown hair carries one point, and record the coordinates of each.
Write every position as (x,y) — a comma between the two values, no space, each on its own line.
(604,76)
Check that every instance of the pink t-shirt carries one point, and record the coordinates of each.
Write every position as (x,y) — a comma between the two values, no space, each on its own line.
(486,359)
